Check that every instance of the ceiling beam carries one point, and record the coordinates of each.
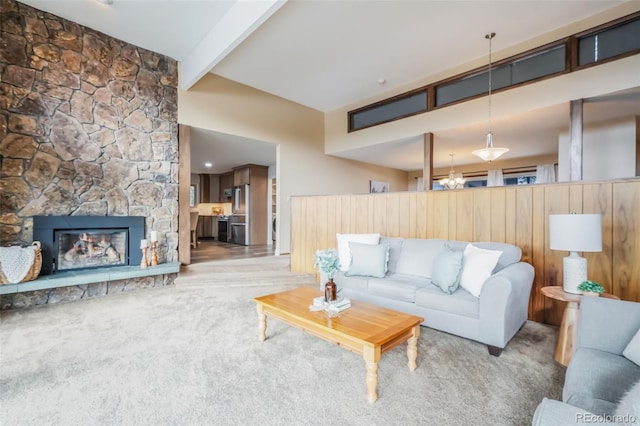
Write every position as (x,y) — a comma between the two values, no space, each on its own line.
(244,17)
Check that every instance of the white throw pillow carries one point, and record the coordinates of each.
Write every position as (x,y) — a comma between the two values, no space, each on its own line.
(632,351)
(344,253)
(477,265)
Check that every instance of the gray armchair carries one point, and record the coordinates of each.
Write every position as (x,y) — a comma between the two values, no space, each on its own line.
(598,374)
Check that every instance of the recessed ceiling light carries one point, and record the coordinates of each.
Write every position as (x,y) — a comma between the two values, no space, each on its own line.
(105,1)
(381,80)
(207,164)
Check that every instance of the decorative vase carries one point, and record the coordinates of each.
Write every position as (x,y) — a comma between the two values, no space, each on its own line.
(590,293)
(330,291)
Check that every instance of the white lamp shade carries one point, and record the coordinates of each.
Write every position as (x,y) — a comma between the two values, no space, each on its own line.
(575,232)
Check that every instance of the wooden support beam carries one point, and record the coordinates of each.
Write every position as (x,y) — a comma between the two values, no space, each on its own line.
(184,183)
(637,145)
(575,141)
(427,165)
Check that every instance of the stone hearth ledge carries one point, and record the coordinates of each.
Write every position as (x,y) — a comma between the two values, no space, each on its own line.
(89,276)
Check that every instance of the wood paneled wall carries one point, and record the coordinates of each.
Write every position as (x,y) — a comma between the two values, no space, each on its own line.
(513,214)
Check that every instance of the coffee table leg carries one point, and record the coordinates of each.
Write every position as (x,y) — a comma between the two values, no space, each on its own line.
(262,323)
(371,356)
(412,347)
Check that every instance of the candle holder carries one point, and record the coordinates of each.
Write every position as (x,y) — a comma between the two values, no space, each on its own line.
(143,262)
(154,253)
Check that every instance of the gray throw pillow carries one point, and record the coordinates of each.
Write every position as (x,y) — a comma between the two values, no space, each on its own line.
(447,270)
(632,351)
(368,260)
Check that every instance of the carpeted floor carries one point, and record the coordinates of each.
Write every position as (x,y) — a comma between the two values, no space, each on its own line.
(190,355)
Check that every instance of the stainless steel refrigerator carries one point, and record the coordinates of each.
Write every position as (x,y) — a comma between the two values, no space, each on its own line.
(239,221)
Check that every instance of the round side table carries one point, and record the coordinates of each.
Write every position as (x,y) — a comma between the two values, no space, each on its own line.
(569,326)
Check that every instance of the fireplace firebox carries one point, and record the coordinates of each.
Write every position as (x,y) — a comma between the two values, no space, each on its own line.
(81,242)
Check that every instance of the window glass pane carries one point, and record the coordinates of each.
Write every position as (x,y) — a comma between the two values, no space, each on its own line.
(402,107)
(475,183)
(460,89)
(538,65)
(473,85)
(609,43)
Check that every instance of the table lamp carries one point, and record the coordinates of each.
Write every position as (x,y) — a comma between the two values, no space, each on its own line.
(574,233)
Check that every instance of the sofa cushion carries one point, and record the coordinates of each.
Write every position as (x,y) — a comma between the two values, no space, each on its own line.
(477,265)
(355,283)
(395,247)
(510,253)
(632,351)
(369,260)
(397,287)
(416,257)
(447,270)
(597,380)
(459,303)
(343,246)
(629,406)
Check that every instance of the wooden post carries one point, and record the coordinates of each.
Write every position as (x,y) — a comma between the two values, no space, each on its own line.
(427,165)
(184,183)
(575,141)
(637,145)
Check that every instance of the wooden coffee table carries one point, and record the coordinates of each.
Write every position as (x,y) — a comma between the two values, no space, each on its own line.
(365,329)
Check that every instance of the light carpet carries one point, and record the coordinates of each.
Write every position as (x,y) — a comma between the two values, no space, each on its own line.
(190,354)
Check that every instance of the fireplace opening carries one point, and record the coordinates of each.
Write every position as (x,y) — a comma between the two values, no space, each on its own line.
(82,249)
(80,242)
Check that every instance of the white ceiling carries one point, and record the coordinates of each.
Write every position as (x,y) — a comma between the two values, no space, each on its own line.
(225,151)
(328,54)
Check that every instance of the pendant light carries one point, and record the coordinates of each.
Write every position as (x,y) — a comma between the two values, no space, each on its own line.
(489,152)
(453,181)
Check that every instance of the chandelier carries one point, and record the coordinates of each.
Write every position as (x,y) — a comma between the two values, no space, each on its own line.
(454,180)
(490,153)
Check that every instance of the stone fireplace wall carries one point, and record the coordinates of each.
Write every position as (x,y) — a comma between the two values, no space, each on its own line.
(88,126)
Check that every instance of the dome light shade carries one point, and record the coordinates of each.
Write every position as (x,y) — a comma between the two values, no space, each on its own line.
(489,152)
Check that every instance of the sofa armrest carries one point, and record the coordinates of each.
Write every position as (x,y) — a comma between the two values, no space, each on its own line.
(555,413)
(607,324)
(504,303)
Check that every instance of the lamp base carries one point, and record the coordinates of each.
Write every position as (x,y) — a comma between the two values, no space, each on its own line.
(575,272)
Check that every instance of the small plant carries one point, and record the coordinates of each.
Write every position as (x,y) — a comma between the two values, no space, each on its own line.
(327,261)
(590,287)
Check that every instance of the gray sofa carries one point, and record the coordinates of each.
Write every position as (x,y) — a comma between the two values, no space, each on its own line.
(492,319)
(599,374)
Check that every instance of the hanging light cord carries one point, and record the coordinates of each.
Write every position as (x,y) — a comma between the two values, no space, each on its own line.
(490,37)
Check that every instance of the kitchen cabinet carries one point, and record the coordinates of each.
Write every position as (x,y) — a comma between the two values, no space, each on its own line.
(209,188)
(226,182)
(242,176)
(207,226)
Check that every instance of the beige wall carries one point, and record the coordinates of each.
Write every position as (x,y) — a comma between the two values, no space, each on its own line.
(218,104)
(608,151)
